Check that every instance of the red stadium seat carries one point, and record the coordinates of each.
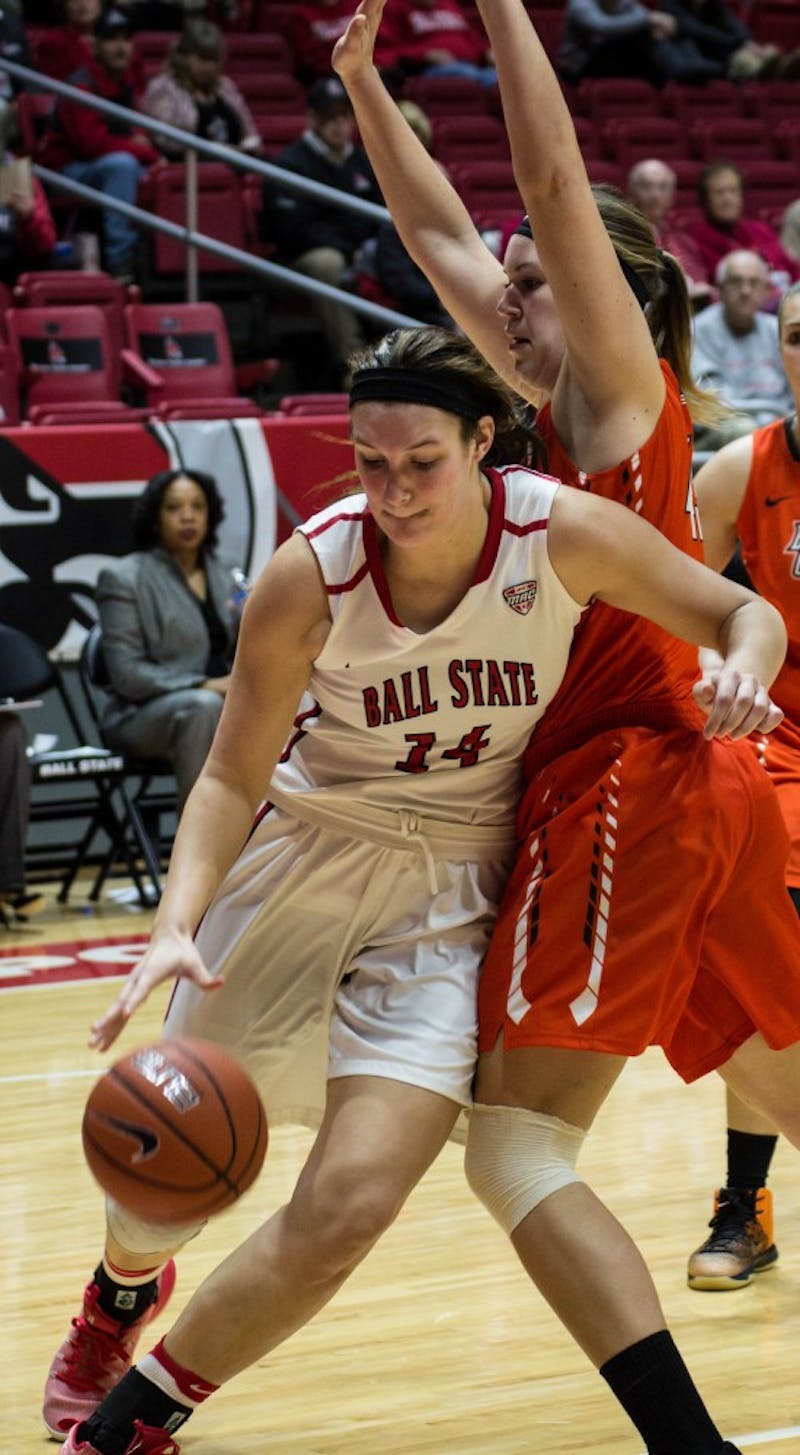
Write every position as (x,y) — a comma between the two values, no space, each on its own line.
(220,214)
(692,103)
(770,184)
(65,364)
(268,92)
(248,53)
(152,48)
(774,22)
(731,138)
(608,98)
(57,289)
(486,186)
(447,95)
(469,139)
(277,131)
(603,173)
(786,136)
(772,100)
(632,139)
(186,345)
(295,404)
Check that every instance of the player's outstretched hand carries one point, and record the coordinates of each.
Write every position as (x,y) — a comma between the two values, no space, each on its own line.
(354,50)
(173,955)
(735,704)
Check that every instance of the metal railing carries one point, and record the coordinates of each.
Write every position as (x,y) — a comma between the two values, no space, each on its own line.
(195,241)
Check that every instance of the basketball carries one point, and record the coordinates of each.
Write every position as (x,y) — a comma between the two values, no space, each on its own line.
(176,1131)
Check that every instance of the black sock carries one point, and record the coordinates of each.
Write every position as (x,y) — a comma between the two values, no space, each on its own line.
(122,1302)
(655,1389)
(110,1429)
(749,1158)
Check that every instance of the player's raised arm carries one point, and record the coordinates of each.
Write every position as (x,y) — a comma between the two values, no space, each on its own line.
(610,352)
(430,217)
(283,629)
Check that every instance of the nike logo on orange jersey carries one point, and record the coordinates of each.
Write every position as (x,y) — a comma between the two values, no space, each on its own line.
(768,500)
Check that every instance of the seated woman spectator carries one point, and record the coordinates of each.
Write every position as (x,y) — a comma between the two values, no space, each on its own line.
(169,624)
(723,228)
(191,92)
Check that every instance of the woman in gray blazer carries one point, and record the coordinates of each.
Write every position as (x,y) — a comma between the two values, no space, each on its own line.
(169,619)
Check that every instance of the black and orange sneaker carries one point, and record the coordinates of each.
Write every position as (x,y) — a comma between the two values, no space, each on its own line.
(740,1244)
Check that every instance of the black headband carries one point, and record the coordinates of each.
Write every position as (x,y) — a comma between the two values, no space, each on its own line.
(634,280)
(449,392)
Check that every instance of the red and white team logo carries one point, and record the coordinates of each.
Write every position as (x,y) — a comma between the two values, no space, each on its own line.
(521,597)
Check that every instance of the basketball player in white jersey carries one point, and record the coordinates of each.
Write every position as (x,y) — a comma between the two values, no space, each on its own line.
(422,625)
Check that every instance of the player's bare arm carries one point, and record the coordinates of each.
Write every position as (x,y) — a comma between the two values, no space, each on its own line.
(610,356)
(283,629)
(602,551)
(430,217)
(720,485)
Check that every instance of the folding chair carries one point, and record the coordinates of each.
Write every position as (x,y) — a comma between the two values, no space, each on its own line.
(144,804)
(26,673)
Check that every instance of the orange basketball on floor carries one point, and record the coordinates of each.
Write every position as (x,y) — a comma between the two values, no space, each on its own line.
(175,1131)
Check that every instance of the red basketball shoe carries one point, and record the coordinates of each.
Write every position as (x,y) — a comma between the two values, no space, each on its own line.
(144,1441)
(93,1358)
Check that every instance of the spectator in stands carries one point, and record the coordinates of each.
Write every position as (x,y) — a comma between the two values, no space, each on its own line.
(723,228)
(315,27)
(16,902)
(385,270)
(27,230)
(169,625)
(436,38)
(67,47)
(97,150)
(192,93)
(736,351)
(318,238)
(651,186)
(790,230)
(721,37)
(613,38)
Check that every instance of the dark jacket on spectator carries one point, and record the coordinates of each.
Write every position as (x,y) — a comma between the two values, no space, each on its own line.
(78,134)
(296,222)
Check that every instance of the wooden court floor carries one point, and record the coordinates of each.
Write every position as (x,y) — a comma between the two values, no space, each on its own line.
(438,1345)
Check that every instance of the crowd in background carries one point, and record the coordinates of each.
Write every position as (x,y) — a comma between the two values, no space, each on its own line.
(95,48)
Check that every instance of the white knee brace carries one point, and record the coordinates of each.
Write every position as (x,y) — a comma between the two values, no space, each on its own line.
(136,1236)
(516,1158)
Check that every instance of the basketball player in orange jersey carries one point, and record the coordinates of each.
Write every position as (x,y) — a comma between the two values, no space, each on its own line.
(630,918)
(749,493)
(341,934)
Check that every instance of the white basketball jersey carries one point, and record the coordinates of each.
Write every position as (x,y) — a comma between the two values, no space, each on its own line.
(436,721)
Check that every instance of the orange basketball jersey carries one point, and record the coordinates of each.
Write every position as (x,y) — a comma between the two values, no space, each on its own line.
(768,526)
(624,671)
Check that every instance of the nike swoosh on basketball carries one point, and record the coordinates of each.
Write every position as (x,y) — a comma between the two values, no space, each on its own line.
(768,500)
(148,1140)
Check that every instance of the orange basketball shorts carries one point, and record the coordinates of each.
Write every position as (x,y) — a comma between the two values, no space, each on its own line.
(647,906)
